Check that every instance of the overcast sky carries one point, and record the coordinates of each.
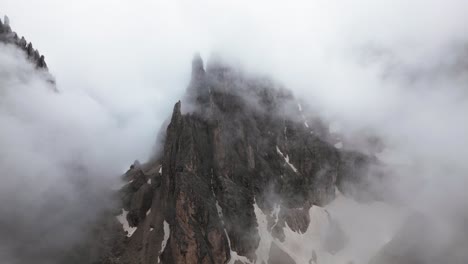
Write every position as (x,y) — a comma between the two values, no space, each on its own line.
(134,56)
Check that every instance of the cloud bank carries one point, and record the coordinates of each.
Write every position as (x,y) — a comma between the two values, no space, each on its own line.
(395,69)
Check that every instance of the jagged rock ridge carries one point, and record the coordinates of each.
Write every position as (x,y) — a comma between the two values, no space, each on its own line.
(10,37)
(244,150)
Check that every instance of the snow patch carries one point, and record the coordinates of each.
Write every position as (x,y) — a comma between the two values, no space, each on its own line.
(220,211)
(122,218)
(274,215)
(306,124)
(339,145)
(160,170)
(308,247)
(266,239)
(151,229)
(368,226)
(149,181)
(167,233)
(302,247)
(235,257)
(148,212)
(299,106)
(286,159)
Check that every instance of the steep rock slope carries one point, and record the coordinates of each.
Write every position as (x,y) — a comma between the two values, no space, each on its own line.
(242,169)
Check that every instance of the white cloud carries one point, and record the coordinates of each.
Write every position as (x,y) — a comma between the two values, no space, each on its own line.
(396,68)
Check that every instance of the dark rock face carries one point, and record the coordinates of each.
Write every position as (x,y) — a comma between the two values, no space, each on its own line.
(245,141)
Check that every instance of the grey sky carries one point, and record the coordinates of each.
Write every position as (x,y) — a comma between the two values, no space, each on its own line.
(397,68)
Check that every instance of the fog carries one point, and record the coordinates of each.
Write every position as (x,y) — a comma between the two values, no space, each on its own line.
(394,69)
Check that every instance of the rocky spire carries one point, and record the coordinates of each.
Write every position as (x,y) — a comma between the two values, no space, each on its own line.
(41,63)
(22,43)
(176,113)
(6,25)
(198,92)
(6,20)
(198,70)
(30,49)
(10,37)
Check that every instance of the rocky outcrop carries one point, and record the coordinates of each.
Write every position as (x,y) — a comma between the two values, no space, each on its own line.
(241,143)
(10,37)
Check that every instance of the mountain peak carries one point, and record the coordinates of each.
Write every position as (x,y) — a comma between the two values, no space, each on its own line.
(198,69)
(6,20)
(244,152)
(8,36)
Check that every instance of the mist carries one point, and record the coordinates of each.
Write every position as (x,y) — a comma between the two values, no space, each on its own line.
(397,70)
(61,154)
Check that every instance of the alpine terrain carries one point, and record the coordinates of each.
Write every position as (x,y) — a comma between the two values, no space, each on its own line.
(244,173)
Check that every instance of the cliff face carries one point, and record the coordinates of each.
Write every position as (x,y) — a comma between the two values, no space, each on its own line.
(238,173)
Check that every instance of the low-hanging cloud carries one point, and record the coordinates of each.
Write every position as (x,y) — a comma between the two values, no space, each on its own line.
(394,69)
(60,154)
